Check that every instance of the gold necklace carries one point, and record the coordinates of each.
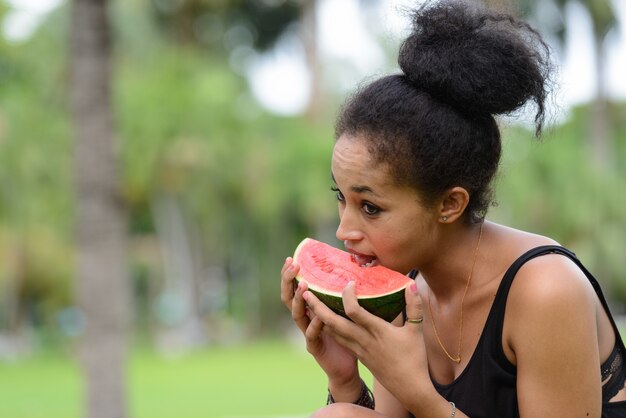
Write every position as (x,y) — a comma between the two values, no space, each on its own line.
(457,359)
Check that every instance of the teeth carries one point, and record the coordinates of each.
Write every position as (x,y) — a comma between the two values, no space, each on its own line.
(370,264)
(364,261)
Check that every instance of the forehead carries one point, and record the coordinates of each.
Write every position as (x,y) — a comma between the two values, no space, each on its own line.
(352,161)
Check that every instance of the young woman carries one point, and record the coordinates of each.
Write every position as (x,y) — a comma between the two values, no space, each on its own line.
(499,322)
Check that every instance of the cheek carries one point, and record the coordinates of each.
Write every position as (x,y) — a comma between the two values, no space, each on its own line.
(396,245)
(399,247)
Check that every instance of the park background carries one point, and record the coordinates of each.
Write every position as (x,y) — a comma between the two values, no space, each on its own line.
(217,127)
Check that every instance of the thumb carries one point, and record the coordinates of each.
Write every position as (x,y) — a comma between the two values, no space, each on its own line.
(414,311)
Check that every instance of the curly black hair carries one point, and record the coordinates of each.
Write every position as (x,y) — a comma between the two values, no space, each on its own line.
(433,124)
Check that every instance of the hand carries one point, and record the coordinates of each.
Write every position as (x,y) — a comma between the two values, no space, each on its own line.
(337,361)
(287,282)
(395,355)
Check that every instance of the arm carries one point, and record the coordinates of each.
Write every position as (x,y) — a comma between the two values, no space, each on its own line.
(394,354)
(550,333)
(386,403)
(337,362)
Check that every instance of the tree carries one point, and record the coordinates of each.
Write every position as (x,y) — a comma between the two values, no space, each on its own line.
(600,131)
(603,21)
(101,231)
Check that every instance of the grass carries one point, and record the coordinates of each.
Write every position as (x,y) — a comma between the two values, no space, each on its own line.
(40,387)
(267,379)
(264,379)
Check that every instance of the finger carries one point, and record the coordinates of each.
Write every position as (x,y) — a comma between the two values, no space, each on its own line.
(299,309)
(286,264)
(414,310)
(316,306)
(356,312)
(325,314)
(312,334)
(288,273)
(334,324)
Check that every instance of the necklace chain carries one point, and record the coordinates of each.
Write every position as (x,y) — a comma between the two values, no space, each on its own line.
(457,359)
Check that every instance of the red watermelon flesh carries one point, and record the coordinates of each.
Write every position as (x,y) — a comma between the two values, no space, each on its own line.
(327,270)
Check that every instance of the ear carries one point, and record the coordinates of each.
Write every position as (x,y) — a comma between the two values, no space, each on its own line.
(453,204)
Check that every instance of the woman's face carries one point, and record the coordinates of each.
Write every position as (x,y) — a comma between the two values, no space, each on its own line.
(380,222)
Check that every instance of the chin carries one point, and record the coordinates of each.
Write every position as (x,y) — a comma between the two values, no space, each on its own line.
(397,268)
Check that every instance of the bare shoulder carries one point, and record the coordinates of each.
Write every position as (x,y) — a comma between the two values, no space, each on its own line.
(549,293)
(516,239)
(548,279)
(550,326)
(544,285)
(508,244)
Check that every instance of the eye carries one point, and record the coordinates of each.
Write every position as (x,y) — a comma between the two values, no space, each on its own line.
(338,193)
(370,209)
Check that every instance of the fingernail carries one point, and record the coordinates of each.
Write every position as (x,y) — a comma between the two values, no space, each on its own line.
(305,295)
(413,287)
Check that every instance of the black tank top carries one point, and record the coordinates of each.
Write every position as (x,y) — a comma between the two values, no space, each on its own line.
(486,388)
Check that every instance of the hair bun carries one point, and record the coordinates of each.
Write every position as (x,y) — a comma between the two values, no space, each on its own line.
(476,60)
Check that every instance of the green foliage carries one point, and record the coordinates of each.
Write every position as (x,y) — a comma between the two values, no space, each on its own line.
(250,185)
(34,138)
(248,181)
(218,23)
(553,188)
(35,178)
(188,128)
(602,14)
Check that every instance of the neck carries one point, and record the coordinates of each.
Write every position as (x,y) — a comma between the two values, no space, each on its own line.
(447,275)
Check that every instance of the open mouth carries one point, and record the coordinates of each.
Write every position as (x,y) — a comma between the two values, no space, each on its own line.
(364,260)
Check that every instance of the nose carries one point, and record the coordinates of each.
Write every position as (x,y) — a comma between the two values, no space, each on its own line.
(348,229)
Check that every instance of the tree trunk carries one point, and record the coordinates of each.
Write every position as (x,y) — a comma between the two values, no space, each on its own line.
(181,253)
(600,126)
(315,107)
(103,292)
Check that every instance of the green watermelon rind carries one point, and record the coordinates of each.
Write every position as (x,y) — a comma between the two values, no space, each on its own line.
(387,306)
(384,305)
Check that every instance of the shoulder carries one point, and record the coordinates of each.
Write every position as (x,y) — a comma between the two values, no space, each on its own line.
(551,335)
(549,292)
(542,285)
(548,279)
(550,331)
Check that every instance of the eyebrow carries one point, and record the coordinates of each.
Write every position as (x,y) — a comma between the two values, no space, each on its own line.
(357,188)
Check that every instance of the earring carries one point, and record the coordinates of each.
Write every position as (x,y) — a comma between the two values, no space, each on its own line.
(444,218)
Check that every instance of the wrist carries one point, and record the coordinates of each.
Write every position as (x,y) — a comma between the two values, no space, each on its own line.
(442,408)
(434,405)
(365,398)
(345,390)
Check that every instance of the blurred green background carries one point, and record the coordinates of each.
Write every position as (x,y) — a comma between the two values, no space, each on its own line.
(220,184)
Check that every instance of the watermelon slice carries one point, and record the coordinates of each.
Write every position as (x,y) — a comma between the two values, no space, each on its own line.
(327,270)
